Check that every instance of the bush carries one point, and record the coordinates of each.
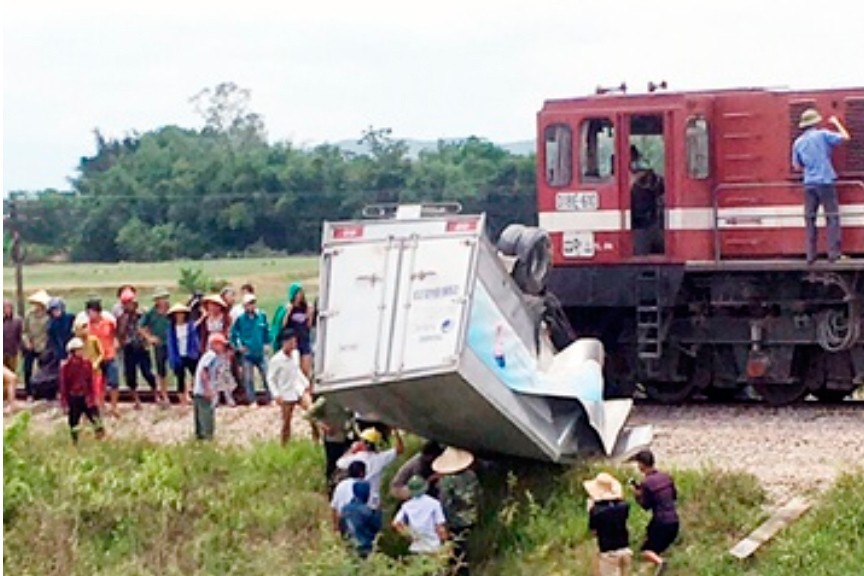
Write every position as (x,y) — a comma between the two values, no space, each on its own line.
(194,280)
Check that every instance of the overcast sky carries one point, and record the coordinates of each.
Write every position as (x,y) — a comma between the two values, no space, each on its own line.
(322,70)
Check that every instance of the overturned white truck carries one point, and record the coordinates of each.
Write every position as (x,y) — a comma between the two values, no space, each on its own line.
(422,326)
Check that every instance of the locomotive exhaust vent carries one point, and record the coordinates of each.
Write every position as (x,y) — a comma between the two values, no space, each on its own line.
(855,123)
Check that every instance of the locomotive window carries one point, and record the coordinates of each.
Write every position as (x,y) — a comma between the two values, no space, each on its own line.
(647,149)
(559,154)
(698,158)
(598,149)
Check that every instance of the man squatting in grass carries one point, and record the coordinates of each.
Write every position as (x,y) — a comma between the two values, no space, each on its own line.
(344,492)
(76,390)
(204,390)
(658,494)
(360,522)
(287,382)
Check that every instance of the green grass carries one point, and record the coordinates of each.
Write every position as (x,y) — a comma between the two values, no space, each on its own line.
(124,507)
(75,282)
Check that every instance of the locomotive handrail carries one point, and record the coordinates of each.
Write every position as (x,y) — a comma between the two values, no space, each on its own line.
(721,188)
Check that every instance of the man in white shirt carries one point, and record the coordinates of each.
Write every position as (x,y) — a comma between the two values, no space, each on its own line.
(421,518)
(288,385)
(366,451)
(344,491)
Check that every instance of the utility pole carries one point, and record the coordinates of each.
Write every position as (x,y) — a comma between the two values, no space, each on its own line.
(17,254)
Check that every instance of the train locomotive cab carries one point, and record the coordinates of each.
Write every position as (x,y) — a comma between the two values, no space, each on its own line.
(677,226)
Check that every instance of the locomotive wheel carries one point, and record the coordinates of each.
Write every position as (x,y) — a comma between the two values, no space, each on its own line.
(669,392)
(830,395)
(781,394)
(717,394)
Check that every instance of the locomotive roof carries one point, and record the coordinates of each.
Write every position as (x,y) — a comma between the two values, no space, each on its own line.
(661,96)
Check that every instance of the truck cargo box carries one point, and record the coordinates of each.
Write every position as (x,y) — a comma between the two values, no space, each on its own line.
(421,325)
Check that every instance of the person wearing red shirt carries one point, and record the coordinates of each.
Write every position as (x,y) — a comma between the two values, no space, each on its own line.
(77,393)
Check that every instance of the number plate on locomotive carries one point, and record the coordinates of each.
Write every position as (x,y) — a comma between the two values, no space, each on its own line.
(576,201)
(578,245)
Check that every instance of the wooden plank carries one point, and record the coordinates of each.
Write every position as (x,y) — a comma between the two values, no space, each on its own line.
(780,519)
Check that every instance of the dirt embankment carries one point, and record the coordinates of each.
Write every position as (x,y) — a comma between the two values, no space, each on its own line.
(791,450)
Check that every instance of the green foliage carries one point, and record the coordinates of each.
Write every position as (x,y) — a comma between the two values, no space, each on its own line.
(173,192)
(194,280)
(131,507)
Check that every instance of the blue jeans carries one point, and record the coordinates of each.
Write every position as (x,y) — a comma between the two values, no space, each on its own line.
(249,365)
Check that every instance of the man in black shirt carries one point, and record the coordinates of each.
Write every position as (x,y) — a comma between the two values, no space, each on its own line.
(607,520)
(658,494)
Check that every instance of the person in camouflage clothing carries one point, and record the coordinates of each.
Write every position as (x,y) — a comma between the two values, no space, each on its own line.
(459,492)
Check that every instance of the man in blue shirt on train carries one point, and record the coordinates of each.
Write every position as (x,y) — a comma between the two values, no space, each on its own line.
(811,153)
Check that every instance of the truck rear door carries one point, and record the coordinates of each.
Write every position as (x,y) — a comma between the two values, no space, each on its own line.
(358,287)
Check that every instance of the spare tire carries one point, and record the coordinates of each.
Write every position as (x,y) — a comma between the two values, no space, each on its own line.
(534,261)
(508,241)
(532,249)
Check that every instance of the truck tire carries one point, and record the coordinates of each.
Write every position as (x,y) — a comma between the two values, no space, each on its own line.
(561,332)
(531,247)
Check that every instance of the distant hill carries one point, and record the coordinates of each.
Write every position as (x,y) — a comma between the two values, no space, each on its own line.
(519,148)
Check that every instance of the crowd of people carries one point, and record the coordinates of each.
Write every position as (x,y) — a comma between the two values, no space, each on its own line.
(438,490)
(212,344)
(219,341)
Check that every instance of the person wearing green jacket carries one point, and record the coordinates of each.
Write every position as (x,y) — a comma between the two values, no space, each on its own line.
(296,314)
(249,335)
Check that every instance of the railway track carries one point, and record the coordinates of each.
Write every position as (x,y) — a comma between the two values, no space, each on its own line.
(810,402)
(854,401)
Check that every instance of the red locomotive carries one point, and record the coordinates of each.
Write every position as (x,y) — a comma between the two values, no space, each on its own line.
(677,226)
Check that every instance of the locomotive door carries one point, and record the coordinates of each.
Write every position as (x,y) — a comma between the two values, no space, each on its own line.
(644,146)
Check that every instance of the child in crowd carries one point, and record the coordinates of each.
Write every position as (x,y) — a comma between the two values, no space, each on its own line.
(184,348)
(206,375)
(77,394)
(422,519)
(94,354)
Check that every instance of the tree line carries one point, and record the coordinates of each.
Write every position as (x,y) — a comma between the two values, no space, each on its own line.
(223,189)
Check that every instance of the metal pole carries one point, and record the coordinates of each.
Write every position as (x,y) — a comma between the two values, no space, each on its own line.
(17,258)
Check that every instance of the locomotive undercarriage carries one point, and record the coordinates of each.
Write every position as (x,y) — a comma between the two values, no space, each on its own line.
(776,334)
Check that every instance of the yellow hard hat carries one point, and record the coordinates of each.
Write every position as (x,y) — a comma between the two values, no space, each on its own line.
(371,435)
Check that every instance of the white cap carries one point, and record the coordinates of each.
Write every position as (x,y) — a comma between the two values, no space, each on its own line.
(249,299)
(74,344)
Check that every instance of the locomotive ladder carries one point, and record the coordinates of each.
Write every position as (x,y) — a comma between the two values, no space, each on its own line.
(648,317)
